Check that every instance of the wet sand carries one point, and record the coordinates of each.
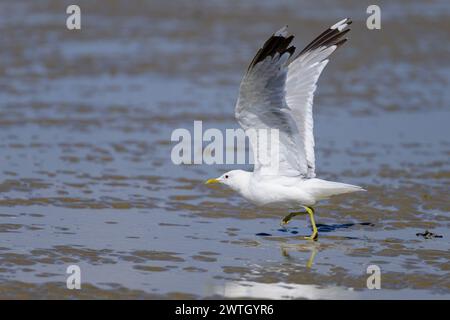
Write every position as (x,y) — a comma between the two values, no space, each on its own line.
(86,177)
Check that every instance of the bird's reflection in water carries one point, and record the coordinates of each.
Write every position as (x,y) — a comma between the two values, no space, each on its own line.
(309,246)
(312,248)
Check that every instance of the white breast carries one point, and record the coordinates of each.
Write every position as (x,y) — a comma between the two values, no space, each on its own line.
(277,192)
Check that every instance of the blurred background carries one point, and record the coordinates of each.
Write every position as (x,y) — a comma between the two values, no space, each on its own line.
(86,177)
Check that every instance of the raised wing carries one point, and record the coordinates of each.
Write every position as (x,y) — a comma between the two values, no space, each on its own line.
(277,95)
(262,106)
(302,76)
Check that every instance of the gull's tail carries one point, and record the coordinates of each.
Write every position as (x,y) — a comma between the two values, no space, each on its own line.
(323,189)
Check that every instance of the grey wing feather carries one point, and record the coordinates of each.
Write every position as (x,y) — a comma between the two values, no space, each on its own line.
(276,93)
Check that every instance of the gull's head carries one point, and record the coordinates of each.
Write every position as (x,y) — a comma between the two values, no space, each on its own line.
(235,179)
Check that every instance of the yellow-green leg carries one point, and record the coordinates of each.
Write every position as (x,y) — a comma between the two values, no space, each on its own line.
(289,217)
(315,233)
(310,211)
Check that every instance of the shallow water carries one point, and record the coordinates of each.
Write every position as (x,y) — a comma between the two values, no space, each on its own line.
(86,176)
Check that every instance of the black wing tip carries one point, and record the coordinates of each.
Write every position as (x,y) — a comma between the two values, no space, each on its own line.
(330,37)
(279,43)
(341,42)
(346,21)
(291,50)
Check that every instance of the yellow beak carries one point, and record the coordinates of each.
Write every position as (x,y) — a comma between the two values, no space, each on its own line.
(212,181)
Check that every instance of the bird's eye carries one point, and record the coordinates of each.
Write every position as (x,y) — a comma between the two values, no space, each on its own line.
(226,176)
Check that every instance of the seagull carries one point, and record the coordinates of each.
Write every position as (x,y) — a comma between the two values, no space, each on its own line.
(276,93)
